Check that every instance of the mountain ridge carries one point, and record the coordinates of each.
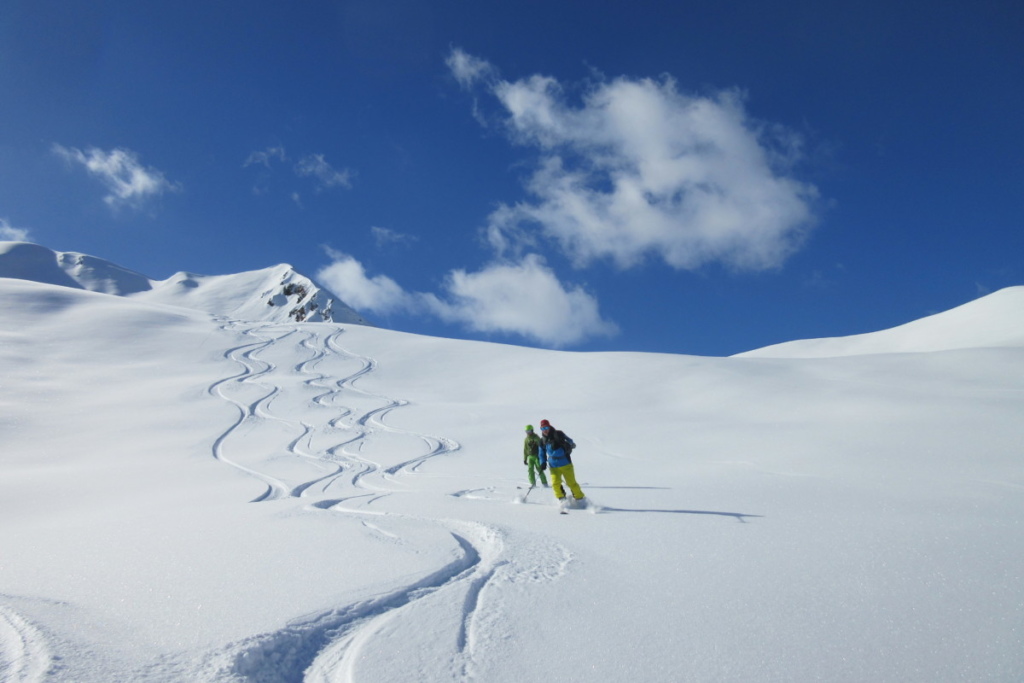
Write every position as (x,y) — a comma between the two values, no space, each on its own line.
(281,294)
(274,294)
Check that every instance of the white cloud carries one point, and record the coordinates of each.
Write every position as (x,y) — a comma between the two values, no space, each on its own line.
(386,236)
(467,69)
(12,234)
(638,169)
(347,278)
(128,182)
(264,157)
(524,299)
(315,166)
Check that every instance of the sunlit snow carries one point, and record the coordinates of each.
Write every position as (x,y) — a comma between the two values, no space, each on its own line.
(187,495)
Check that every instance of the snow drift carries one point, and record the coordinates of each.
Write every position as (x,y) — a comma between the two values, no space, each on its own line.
(187,496)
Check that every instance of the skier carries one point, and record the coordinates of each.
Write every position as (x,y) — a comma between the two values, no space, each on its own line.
(555,450)
(531,457)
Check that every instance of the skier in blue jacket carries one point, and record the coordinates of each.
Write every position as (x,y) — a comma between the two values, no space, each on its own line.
(555,452)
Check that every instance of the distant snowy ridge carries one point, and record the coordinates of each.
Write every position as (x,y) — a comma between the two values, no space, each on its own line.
(993,321)
(275,294)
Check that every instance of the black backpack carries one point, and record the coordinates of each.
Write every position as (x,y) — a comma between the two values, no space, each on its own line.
(567,444)
(558,439)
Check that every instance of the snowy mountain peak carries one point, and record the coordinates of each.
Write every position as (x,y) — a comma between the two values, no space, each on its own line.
(25,261)
(303,299)
(275,294)
(97,275)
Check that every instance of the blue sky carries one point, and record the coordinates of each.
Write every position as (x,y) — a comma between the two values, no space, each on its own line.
(707,178)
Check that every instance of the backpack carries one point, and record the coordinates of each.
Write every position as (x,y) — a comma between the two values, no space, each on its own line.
(561,440)
(567,444)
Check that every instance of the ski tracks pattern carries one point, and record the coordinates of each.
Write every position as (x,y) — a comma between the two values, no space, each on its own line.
(299,429)
(304,433)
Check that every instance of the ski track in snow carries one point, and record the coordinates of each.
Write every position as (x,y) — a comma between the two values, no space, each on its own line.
(240,390)
(24,654)
(329,433)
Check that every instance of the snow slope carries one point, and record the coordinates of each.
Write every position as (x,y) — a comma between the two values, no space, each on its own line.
(276,294)
(190,497)
(992,321)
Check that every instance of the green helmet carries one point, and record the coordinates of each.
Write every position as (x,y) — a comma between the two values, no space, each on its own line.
(529,428)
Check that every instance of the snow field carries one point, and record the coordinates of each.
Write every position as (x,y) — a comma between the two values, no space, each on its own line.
(187,497)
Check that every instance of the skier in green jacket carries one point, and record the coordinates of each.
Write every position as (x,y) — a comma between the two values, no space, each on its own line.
(531,449)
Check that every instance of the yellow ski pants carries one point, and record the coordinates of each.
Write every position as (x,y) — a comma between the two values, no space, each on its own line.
(567,473)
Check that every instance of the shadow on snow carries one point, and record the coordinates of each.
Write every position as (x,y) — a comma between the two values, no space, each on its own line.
(738,516)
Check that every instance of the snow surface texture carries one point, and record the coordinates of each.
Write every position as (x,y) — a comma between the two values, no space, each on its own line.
(197,497)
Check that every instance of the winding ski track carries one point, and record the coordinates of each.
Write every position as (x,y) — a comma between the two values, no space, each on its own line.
(239,390)
(308,431)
